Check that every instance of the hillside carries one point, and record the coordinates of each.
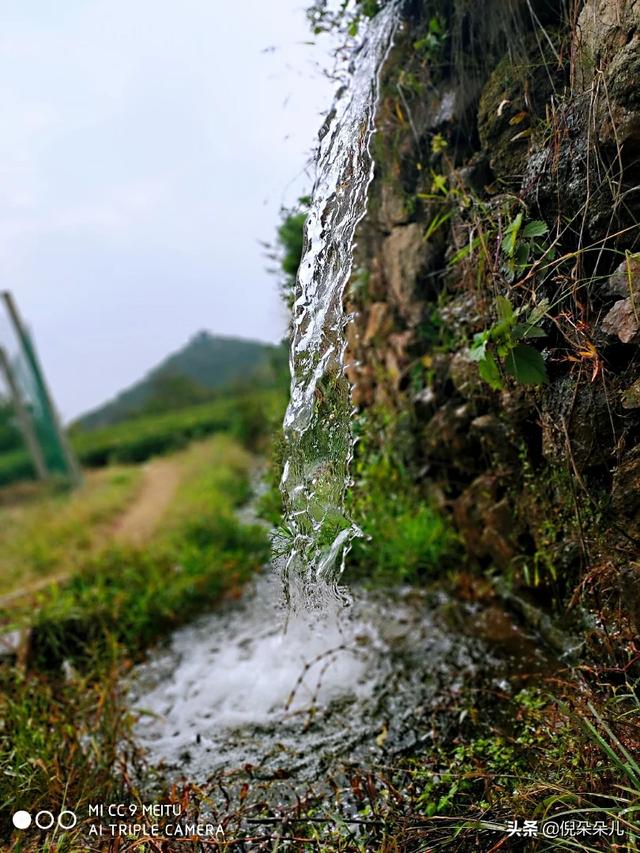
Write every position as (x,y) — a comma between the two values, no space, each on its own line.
(206,365)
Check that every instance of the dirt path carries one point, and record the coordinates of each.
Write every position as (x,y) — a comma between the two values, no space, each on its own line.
(141,519)
(135,526)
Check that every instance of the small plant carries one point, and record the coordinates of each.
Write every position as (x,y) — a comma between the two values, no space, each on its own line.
(519,244)
(291,245)
(501,348)
(342,18)
(405,537)
(431,44)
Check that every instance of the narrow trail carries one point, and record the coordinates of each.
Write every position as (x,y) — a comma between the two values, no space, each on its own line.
(134,526)
(160,483)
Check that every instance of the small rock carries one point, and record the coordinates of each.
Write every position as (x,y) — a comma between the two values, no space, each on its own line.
(447,109)
(623,321)
(10,643)
(379,321)
(427,397)
(625,281)
(493,437)
(463,372)
(625,493)
(14,645)
(393,209)
(405,256)
(631,397)
(486,524)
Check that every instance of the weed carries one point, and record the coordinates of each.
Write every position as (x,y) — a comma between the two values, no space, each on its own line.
(405,538)
(501,347)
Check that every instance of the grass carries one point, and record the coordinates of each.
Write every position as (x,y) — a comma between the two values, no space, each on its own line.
(247,416)
(47,532)
(64,735)
(140,438)
(132,595)
(406,538)
(542,754)
(15,466)
(43,534)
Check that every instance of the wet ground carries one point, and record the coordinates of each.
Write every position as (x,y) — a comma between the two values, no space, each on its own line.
(297,697)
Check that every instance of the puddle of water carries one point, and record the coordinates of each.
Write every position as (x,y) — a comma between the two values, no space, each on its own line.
(236,688)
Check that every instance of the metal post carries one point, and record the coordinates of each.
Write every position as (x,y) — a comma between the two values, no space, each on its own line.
(26,426)
(30,353)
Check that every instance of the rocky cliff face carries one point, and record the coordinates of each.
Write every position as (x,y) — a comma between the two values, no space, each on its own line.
(498,289)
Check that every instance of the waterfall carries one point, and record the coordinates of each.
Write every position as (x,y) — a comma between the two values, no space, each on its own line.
(317,424)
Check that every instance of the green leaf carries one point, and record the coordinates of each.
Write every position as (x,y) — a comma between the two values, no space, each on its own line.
(524,330)
(504,347)
(521,254)
(526,365)
(504,309)
(465,250)
(439,184)
(489,371)
(537,313)
(511,236)
(536,228)
(478,349)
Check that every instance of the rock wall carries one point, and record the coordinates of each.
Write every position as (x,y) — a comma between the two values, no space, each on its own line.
(508,179)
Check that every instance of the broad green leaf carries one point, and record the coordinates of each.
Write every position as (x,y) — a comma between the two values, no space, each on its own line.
(536,228)
(500,332)
(489,371)
(521,254)
(526,365)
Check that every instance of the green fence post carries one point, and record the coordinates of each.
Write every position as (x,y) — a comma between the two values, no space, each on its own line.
(51,422)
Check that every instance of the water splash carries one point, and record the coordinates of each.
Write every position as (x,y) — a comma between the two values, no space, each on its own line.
(317,425)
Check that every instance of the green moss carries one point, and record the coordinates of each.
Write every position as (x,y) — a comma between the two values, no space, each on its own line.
(512,106)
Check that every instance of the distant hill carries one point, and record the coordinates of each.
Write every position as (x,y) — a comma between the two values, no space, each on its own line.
(207,365)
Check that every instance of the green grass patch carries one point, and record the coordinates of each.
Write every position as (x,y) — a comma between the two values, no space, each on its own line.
(249,416)
(405,538)
(63,738)
(14,466)
(54,531)
(132,596)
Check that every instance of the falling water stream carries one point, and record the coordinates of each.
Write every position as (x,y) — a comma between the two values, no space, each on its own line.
(293,689)
(317,425)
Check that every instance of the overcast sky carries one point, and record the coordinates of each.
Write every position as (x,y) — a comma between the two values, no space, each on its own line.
(146,147)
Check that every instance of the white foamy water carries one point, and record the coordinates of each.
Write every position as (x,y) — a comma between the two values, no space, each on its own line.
(234,689)
(249,667)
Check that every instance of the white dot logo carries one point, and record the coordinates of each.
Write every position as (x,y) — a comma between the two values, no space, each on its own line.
(21,819)
(45,819)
